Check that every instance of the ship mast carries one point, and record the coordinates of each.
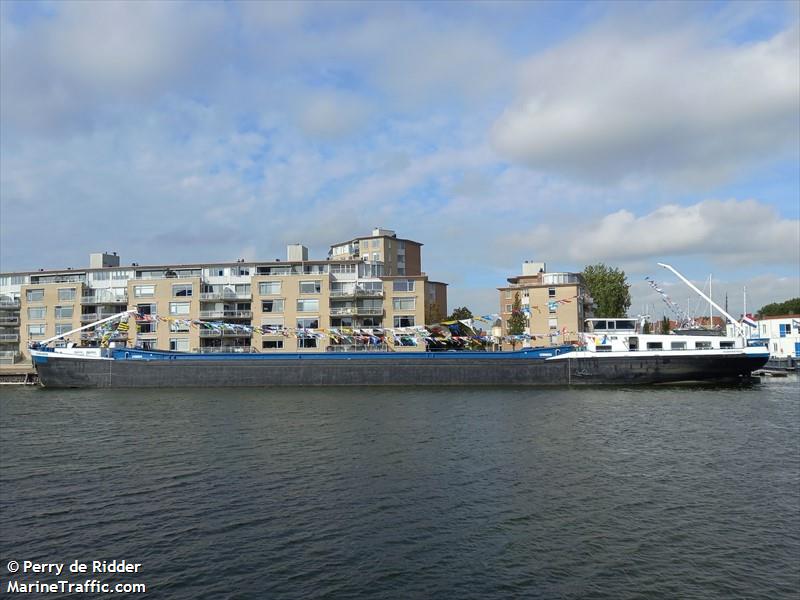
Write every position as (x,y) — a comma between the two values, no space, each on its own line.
(702,295)
(95,324)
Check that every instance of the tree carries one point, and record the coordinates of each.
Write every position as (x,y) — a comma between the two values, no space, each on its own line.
(460,314)
(665,325)
(516,322)
(609,289)
(789,307)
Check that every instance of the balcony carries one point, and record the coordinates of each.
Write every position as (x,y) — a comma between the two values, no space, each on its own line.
(96,316)
(215,333)
(9,357)
(225,349)
(6,321)
(337,311)
(147,335)
(102,300)
(9,338)
(224,296)
(226,314)
(360,292)
(6,303)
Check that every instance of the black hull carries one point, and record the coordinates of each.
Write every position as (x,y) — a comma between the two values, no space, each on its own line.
(81,373)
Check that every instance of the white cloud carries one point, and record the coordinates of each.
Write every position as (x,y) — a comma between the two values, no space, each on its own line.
(612,105)
(332,113)
(730,232)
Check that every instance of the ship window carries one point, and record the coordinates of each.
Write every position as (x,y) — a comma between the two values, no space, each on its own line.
(654,345)
(726,344)
(598,325)
(603,348)
(678,346)
(702,345)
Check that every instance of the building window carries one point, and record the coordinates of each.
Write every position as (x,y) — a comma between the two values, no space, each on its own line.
(551,292)
(37,312)
(179,326)
(306,342)
(404,321)
(403,285)
(508,308)
(552,323)
(552,307)
(310,287)
(35,330)
(62,328)
(272,323)
(371,322)
(404,303)
(308,305)
(179,308)
(269,288)
(179,344)
(64,312)
(146,309)
(784,329)
(66,294)
(508,295)
(275,344)
(144,291)
(36,295)
(310,323)
(180,290)
(272,306)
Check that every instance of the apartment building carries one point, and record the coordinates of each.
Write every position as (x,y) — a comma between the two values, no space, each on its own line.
(376,283)
(555,305)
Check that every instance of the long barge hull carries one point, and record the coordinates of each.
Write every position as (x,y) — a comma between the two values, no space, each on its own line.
(66,372)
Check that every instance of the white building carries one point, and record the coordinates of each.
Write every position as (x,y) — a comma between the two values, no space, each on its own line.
(783,333)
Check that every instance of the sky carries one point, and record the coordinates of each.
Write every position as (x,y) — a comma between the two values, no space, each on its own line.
(493,132)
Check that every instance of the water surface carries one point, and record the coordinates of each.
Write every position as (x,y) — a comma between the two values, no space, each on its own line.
(665,492)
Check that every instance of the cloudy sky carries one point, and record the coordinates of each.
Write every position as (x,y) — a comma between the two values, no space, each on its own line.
(570,133)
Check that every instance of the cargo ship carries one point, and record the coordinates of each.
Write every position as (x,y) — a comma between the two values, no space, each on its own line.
(612,352)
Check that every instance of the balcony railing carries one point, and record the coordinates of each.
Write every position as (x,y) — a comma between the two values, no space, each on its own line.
(9,303)
(225,349)
(226,314)
(9,357)
(6,321)
(114,337)
(358,348)
(356,292)
(102,300)
(215,333)
(9,337)
(355,310)
(96,316)
(224,296)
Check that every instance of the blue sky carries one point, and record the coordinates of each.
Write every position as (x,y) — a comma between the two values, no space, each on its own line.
(570,133)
